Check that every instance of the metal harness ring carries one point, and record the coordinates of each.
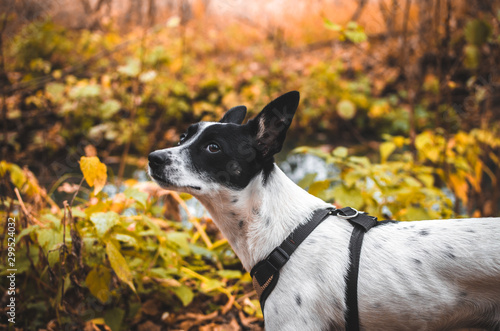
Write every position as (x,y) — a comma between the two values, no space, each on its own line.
(346,217)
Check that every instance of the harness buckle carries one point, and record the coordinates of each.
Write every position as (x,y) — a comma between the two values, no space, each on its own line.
(343,211)
(278,258)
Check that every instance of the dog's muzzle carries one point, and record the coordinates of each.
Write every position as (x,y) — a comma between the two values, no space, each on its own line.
(159,159)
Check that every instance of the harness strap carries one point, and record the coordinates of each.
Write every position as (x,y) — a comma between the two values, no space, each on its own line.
(265,274)
(362,223)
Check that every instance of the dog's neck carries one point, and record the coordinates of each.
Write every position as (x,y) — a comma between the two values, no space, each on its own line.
(258,218)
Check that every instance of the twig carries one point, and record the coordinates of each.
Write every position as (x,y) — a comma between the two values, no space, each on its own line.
(63,250)
(359,10)
(76,192)
(25,211)
(3,82)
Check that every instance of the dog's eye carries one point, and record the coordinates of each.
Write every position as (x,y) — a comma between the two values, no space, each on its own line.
(213,148)
(182,138)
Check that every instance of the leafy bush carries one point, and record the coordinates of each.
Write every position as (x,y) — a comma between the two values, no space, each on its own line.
(95,262)
(445,176)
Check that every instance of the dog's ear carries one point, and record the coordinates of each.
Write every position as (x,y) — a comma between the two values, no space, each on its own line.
(271,124)
(234,115)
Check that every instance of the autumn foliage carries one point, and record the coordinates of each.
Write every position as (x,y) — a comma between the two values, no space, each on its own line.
(399,100)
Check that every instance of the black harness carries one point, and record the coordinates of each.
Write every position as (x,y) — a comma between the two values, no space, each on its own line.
(265,274)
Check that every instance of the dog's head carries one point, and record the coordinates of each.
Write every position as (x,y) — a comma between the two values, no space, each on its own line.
(211,155)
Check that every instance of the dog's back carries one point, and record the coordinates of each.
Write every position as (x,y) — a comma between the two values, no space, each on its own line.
(425,275)
(439,274)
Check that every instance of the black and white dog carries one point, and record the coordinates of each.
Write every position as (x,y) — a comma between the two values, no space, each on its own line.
(425,275)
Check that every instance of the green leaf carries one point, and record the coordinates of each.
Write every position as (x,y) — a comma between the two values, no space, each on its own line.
(131,69)
(180,239)
(229,274)
(135,194)
(77,212)
(347,197)
(97,282)
(49,238)
(109,108)
(148,76)
(307,180)
(340,151)
(416,214)
(56,91)
(355,36)
(26,232)
(346,109)
(104,221)
(332,26)
(472,56)
(114,317)
(119,265)
(51,219)
(351,178)
(211,284)
(184,293)
(477,32)
(86,91)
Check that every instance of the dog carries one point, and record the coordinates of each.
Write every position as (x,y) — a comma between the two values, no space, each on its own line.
(422,275)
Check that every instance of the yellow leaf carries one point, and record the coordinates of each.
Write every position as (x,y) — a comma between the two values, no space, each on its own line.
(460,187)
(119,265)
(346,109)
(400,141)
(340,152)
(317,188)
(94,171)
(386,149)
(97,282)
(104,221)
(427,179)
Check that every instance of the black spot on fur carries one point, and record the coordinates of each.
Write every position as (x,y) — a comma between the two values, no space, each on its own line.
(417,261)
(401,275)
(233,214)
(234,200)
(241,224)
(268,221)
(451,255)
(470,231)
(450,252)
(320,278)
(424,232)
(463,294)
(298,300)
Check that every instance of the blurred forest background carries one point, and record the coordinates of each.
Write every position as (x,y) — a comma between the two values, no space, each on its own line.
(400,109)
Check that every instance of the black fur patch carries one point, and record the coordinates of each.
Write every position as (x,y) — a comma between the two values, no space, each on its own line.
(298,300)
(237,162)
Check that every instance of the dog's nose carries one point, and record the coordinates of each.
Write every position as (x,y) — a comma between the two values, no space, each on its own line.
(158,158)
